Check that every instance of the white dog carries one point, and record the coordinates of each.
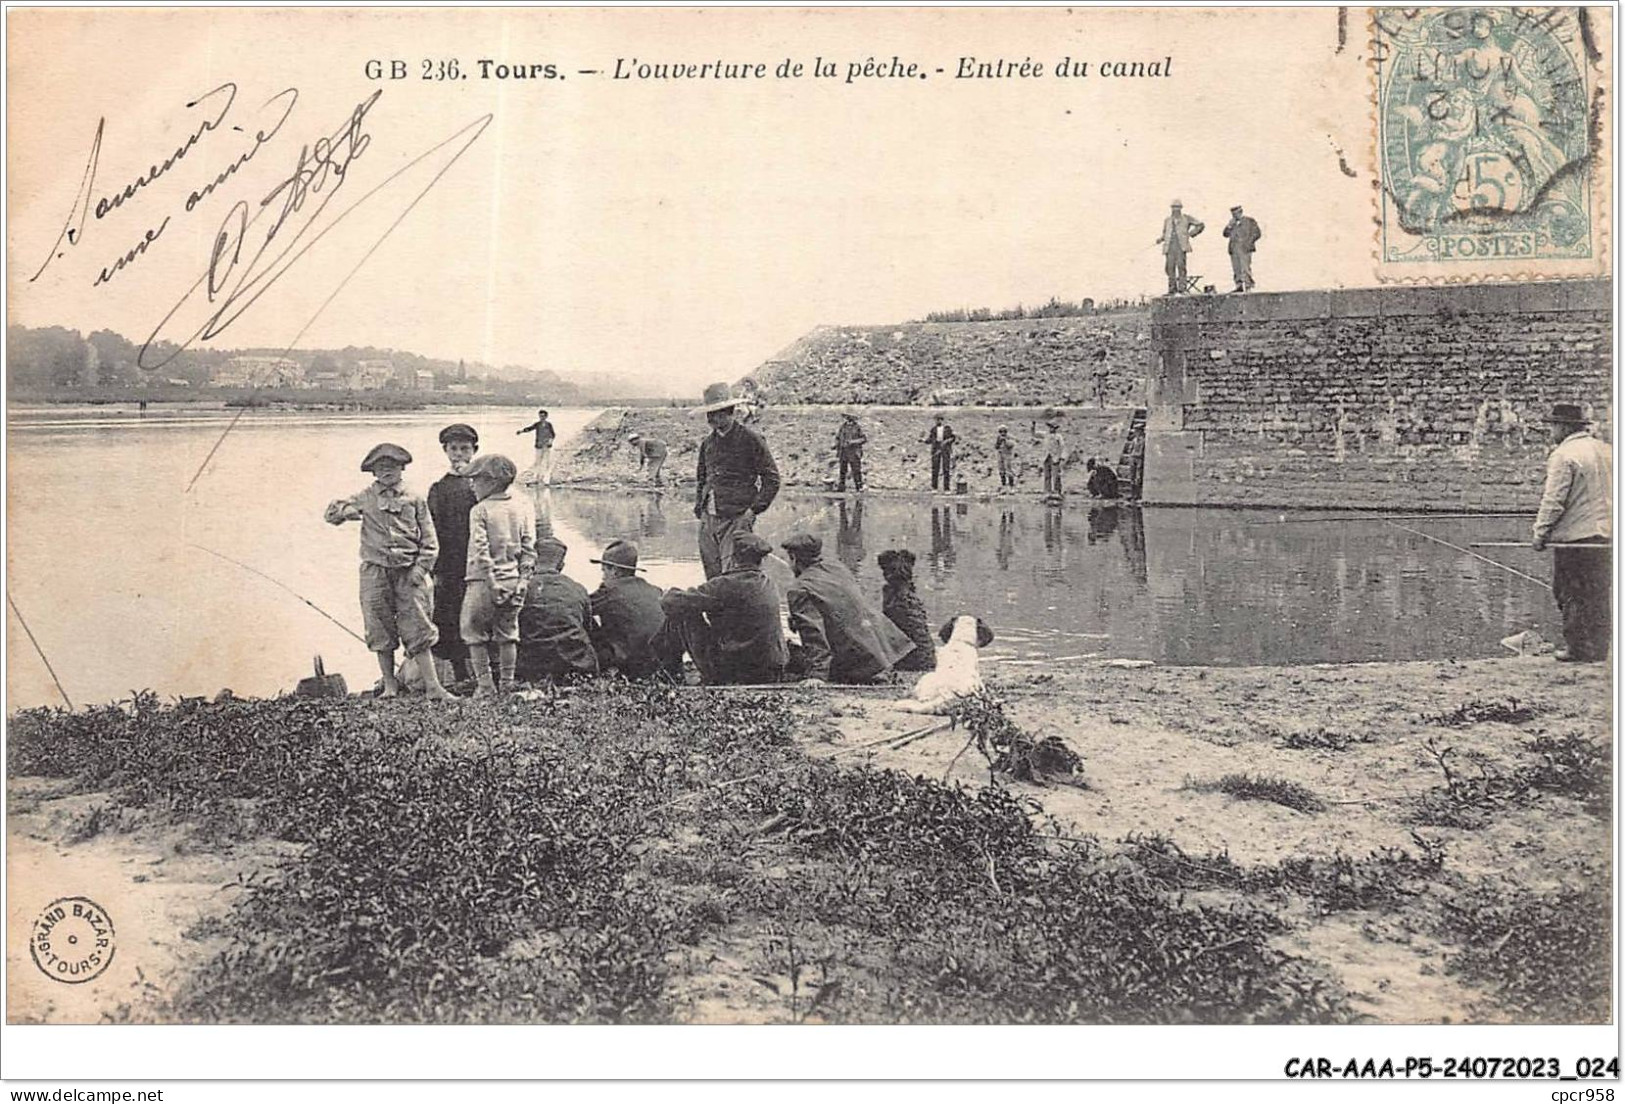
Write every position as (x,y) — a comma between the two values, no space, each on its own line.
(956,675)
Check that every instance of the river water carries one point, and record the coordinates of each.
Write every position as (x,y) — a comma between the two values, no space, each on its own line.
(107,561)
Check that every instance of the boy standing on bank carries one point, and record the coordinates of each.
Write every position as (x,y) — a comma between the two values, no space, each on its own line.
(501,557)
(398,551)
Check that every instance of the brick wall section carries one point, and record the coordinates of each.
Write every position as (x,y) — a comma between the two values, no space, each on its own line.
(1414,398)
(1014,363)
(895,459)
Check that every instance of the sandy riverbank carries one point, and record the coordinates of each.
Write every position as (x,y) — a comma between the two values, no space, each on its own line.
(1355,738)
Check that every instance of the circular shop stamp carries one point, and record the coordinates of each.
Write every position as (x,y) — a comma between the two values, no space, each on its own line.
(72,940)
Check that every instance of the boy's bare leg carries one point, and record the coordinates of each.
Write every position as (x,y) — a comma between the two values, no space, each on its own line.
(507,660)
(386,666)
(432,689)
(480,655)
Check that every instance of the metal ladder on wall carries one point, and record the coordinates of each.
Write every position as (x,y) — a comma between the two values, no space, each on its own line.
(1131,468)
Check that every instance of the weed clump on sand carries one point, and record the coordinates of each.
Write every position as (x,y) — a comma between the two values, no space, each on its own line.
(1571,765)
(1248,787)
(1338,883)
(1480,712)
(1011,750)
(1547,957)
(1321,739)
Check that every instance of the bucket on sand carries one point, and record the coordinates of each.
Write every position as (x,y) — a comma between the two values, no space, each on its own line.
(322,684)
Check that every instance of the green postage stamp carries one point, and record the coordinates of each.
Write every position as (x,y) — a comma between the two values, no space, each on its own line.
(1491,132)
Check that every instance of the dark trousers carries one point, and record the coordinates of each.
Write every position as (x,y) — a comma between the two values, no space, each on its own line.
(448,612)
(942,462)
(1052,476)
(851,460)
(1581,583)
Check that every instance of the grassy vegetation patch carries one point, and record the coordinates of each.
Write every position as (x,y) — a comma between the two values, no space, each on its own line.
(1547,957)
(1247,787)
(1507,711)
(1321,739)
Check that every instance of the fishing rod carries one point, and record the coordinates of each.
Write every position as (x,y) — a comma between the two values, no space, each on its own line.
(1470,552)
(1390,517)
(52,670)
(1527,544)
(284,586)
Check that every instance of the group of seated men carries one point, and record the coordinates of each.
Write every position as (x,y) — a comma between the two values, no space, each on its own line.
(729,625)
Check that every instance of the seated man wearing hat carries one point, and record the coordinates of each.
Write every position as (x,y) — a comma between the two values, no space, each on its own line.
(1576,510)
(737,479)
(843,637)
(554,639)
(451,497)
(626,612)
(729,624)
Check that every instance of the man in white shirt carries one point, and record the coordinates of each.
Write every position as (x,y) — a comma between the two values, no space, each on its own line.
(1575,510)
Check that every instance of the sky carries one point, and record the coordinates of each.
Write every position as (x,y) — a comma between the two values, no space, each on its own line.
(682,231)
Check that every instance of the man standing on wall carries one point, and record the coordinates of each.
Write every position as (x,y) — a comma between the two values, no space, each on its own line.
(1575,510)
(849,441)
(1177,231)
(544,447)
(737,480)
(941,439)
(1243,233)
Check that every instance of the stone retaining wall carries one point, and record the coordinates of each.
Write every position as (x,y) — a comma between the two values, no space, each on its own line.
(1400,397)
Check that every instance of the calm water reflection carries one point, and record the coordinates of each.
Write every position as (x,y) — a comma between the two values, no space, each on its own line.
(104,553)
(1176,586)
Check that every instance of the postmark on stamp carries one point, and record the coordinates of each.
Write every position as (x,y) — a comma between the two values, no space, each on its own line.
(1490,126)
(72,940)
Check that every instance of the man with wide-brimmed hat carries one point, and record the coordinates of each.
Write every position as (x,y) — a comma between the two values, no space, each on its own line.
(1243,233)
(737,480)
(627,617)
(1177,231)
(729,624)
(1575,509)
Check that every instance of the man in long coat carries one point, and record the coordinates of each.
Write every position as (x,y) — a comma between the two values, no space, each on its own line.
(843,637)
(1177,231)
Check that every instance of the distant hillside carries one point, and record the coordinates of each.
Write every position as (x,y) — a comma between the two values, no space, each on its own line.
(1002,363)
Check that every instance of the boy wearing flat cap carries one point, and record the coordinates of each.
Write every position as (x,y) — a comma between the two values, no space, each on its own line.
(450,500)
(501,556)
(398,551)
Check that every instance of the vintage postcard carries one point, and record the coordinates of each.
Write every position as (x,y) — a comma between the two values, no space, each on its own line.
(732,516)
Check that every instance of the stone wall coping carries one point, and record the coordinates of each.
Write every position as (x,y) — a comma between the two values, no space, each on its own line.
(1546,296)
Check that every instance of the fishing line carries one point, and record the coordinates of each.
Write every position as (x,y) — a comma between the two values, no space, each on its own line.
(1470,552)
(284,586)
(37,648)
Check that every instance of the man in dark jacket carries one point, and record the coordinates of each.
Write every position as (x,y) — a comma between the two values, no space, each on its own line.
(737,480)
(553,638)
(941,439)
(843,637)
(545,433)
(730,624)
(849,441)
(626,614)
(1102,480)
(451,497)
(1243,233)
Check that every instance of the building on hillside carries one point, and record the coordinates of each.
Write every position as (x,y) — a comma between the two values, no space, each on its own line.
(372,375)
(260,371)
